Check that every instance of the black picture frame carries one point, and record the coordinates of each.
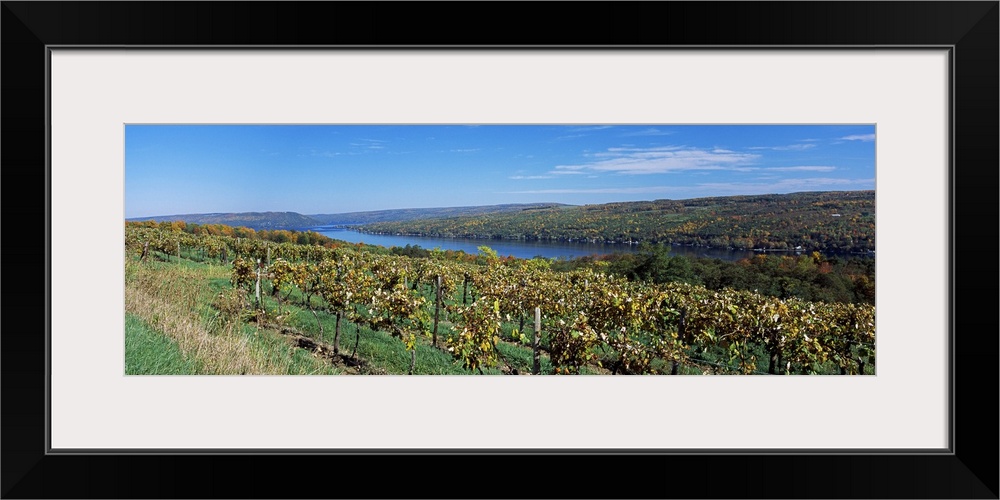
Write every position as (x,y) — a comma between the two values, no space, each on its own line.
(968,470)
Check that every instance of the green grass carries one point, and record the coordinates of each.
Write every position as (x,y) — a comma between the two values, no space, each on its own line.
(149,352)
(300,361)
(378,349)
(521,358)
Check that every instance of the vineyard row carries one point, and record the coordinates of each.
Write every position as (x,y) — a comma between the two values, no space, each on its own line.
(589,318)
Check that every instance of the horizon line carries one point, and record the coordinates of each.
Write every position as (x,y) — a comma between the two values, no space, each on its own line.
(492,205)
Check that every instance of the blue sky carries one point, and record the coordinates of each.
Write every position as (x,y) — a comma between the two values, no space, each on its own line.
(312,169)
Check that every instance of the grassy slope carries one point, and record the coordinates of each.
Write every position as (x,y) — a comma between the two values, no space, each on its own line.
(171,303)
(149,352)
(174,327)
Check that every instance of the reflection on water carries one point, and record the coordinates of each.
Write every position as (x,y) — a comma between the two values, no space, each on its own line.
(518,248)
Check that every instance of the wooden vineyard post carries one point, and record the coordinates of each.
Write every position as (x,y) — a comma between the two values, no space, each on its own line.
(268,255)
(178,251)
(437,311)
(257,287)
(145,250)
(536,365)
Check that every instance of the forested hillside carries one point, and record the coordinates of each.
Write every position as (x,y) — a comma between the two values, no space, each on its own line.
(833,221)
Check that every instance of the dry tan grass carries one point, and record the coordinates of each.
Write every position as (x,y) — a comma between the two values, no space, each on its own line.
(168,297)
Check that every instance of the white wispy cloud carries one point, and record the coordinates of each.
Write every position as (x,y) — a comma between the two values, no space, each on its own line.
(790,147)
(469,150)
(649,132)
(590,129)
(860,137)
(328,153)
(374,144)
(527,177)
(786,185)
(661,160)
(805,168)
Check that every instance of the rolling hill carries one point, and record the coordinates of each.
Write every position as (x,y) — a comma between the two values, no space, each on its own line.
(297,221)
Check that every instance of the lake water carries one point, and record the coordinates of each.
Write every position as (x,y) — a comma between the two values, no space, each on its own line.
(518,248)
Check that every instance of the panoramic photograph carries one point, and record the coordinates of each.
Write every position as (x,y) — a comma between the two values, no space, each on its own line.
(564,249)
